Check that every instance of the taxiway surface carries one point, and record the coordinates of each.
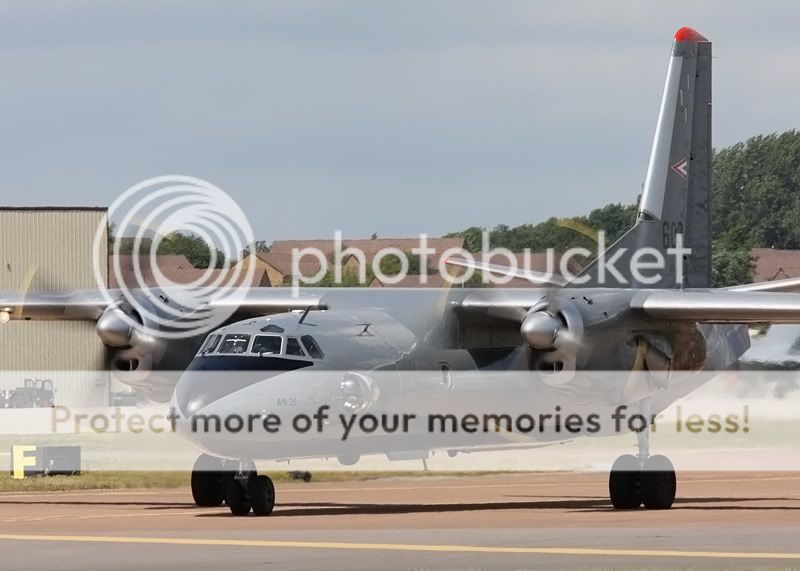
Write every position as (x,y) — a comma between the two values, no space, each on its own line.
(494,521)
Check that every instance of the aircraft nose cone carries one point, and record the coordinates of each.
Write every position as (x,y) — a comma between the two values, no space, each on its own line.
(209,379)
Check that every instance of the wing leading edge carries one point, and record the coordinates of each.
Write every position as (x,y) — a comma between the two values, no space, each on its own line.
(719,306)
(89,305)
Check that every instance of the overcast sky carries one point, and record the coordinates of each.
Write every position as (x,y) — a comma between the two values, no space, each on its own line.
(396,118)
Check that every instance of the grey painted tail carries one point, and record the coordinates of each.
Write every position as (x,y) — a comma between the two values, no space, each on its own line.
(675,203)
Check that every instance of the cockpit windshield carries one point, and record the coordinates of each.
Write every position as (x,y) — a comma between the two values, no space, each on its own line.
(234,343)
(293,347)
(210,344)
(312,347)
(267,345)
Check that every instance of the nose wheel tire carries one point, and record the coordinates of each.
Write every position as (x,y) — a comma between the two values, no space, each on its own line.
(262,495)
(624,483)
(256,493)
(207,486)
(658,483)
(237,498)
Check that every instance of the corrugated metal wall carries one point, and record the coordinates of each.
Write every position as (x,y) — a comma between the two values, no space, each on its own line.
(51,250)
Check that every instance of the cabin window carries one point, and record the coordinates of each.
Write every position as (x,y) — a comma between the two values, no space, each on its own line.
(234,343)
(312,347)
(293,347)
(267,345)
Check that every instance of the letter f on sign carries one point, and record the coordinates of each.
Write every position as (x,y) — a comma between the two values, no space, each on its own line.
(21,460)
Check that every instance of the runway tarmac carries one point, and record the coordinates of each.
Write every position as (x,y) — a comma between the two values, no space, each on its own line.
(557,521)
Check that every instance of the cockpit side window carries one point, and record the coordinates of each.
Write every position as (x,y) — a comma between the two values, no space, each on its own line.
(293,347)
(234,343)
(267,344)
(312,347)
(210,344)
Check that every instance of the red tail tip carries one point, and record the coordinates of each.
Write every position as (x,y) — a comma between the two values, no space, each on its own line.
(689,35)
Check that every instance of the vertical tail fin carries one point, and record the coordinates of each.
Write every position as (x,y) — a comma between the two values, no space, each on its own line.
(675,203)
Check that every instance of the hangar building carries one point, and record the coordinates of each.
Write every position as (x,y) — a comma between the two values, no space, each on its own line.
(50,249)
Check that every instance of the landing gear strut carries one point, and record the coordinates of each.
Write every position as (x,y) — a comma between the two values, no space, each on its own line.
(643,479)
(243,490)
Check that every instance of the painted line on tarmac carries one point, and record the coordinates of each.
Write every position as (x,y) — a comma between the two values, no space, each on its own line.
(28,519)
(408,547)
(301,489)
(444,485)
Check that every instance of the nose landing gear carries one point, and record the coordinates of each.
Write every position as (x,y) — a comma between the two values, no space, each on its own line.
(247,491)
(242,490)
(642,480)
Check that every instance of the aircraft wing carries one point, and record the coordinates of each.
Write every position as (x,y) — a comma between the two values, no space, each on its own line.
(76,306)
(267,300)
(719,306)
(89,305)
(536,278)
(704,306)
(497,307)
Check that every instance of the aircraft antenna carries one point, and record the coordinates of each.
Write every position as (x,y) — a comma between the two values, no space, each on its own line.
(305,314)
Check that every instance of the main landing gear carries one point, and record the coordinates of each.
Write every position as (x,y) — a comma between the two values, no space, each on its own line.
(242,489)
(642,480)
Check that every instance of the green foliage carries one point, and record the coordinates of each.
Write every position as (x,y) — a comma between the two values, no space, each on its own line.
(755,203)
(472,238)
(349,279)
(559,234)
(390,265)
(731,267)
(614,219)
(191,246)
(261,247)
(176,243)
(756,199)
(126,245)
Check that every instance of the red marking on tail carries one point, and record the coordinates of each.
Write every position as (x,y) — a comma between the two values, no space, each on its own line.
(689,35)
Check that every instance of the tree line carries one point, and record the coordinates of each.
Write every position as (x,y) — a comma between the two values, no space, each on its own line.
(755,204)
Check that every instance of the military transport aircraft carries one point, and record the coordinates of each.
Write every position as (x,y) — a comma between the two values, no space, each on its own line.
(363,341)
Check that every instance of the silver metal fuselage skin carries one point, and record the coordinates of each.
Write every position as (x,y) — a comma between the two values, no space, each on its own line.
(402,341)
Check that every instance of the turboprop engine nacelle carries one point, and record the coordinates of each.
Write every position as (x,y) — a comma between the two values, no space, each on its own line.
(554,330)
(129,339)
